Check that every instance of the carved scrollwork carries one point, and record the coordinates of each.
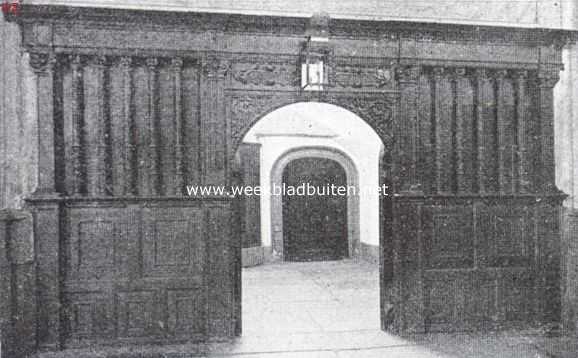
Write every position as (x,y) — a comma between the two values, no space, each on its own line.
(268,75)
(375,109)
(353,76)
(245,110)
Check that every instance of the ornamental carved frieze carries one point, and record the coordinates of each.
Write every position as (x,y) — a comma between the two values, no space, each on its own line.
(375,110)
(358,77)
(246,108)
(266,75)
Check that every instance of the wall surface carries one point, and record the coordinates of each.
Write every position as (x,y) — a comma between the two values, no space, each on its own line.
(17,126)
(566,131)
(530,13)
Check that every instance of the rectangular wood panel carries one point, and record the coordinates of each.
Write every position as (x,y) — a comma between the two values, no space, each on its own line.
(448,237)
(136,272)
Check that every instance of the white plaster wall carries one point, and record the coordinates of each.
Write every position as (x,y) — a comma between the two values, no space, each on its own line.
(320,125)
(566,116)
(18,127)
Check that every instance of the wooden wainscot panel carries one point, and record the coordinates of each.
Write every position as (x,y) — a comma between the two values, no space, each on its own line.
(506,235)
(135,272)
(173,244)
(408,245)
(90,316)
(136,314)
(460,300)
(448,236)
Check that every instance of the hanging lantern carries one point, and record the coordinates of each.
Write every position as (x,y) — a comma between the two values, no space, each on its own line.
(313,73)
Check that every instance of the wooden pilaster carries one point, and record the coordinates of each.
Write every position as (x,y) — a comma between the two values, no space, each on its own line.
(177,67)
(521,125)
(501,136)
(213,119)
(407,129)
(547,79)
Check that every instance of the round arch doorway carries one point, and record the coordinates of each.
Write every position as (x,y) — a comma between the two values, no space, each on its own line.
(314,214)
(305,164)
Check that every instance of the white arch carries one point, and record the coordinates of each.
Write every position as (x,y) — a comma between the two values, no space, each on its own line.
(320,125)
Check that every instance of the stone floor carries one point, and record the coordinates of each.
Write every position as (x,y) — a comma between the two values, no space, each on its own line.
(331,310)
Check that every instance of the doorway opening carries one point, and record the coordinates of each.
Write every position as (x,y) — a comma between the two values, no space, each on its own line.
(314,226)
(311,257)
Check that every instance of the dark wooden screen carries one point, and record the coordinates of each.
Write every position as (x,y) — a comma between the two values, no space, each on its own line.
(131,107)
(250,158)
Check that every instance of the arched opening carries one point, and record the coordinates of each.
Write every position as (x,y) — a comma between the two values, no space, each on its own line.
(335,239)
(351,201)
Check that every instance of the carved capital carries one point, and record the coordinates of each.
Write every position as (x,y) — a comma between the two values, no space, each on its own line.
(520,75)
(42,62)
(125,62)
(408,74)
(548,78)
(176,64)
(214,67)
(152,63)
(481,74)
(500,74)
(458,73)
(439,72)
(98,61)
(75,62)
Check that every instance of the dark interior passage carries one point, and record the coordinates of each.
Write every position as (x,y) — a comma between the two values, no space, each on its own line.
(314,226)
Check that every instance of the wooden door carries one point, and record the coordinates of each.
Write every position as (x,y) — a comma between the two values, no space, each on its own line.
(314,226)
